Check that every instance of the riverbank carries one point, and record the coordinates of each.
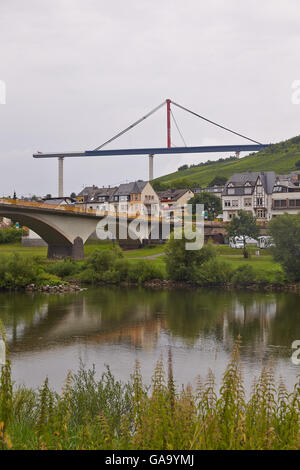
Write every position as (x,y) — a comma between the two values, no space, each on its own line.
(107,264)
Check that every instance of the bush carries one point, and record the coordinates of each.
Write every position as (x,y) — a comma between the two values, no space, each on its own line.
(63,268)
(214,272)
(103,260)
(16,272)
(144,271)
(183,264)
(10,235)
(46,279)
(88,276)
(285,232)
(243,275)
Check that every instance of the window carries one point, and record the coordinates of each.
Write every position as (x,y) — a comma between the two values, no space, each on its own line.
(248,202)
(259,201)
(235,203)
(279,203)
(261,214)
(231,191)
(248,190)
(226,203)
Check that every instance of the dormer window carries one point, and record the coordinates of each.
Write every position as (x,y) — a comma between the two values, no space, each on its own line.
(247,188)
(230,189)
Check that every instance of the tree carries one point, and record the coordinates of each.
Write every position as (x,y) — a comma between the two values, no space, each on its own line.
(158,185)
(183,264)
(297,165)
(73,195)
(182,183)
(243,226)
(183,167)
(285,232)
(48,196)
(218,181)
(212,204)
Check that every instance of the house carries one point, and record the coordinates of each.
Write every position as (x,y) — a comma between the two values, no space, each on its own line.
(172,201)
(87,194)
(97,198)
(136,198)
(59,201)
(286,194)
(250,191)
(216,190)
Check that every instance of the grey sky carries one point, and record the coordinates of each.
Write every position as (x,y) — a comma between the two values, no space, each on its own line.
(78,71)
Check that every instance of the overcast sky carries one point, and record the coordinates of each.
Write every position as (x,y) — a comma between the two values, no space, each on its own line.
(78,71)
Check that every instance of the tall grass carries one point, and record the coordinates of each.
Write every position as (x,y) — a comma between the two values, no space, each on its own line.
(108,414)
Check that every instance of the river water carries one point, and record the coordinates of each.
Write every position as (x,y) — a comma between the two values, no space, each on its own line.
(48,335)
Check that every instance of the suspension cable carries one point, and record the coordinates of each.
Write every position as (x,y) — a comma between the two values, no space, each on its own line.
(131,126)
(178,128)
(214,123)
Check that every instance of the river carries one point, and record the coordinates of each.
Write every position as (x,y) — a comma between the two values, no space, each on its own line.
(48,335)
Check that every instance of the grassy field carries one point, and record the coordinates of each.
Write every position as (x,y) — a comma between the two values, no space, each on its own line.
(280,158)
(234,257)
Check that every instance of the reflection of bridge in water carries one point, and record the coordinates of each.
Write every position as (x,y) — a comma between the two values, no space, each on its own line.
(138,318)
(63,323)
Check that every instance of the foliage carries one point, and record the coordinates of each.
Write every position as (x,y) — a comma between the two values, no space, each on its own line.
(243,275)
(243,226)
(107,414)
(183,167)
(183,264)
(214,272)
(285,232)
(10,235)
(218,181)
(63,268)
(16,272)
(212,204)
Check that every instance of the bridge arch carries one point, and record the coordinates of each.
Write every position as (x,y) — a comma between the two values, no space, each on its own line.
(60,243)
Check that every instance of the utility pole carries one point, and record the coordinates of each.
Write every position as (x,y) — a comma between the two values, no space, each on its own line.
(60,176)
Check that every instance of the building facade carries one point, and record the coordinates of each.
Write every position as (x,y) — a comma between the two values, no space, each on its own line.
(251,192)
(264,194)
(172,201)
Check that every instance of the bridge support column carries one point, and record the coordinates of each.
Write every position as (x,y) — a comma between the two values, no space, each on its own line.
(74,251)
(151,167)
(60,176)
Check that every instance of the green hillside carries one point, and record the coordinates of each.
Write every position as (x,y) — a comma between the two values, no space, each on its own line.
(281,158)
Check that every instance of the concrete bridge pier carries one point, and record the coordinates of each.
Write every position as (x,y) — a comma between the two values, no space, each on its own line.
(75,251)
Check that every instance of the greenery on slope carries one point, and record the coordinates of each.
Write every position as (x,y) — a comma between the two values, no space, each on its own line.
(281,158)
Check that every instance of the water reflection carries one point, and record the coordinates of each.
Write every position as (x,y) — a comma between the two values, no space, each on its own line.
(109,322)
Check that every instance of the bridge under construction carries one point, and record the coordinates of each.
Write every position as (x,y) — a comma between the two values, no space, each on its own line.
(254,146)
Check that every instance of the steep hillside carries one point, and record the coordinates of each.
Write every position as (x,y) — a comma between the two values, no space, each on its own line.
(281,158)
